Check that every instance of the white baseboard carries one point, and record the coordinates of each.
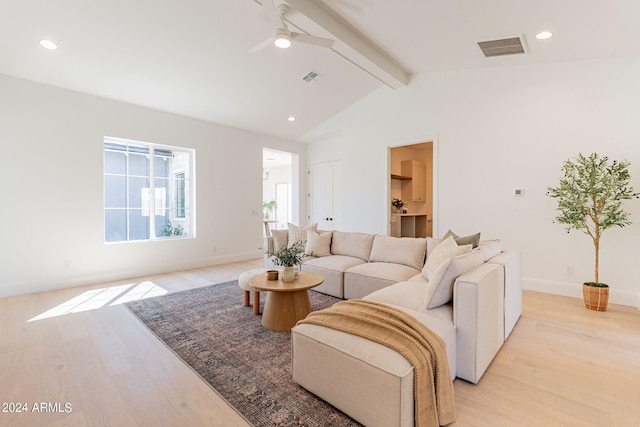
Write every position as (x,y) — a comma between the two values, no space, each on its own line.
(631,299)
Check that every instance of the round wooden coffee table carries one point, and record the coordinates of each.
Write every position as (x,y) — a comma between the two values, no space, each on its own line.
(286,303)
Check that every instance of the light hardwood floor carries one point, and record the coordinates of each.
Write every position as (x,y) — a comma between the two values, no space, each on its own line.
(563,365)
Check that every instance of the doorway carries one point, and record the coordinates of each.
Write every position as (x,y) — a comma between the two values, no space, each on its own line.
(277,189)
(411,181)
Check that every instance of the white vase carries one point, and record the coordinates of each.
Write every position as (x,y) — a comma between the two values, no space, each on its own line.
(288,275)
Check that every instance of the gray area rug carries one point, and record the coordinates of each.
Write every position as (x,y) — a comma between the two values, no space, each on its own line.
(248,365)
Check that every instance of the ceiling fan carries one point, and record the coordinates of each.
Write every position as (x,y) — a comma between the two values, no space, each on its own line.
(283,37)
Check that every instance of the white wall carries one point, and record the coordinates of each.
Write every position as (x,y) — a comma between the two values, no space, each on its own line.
(52,189)
(498,129)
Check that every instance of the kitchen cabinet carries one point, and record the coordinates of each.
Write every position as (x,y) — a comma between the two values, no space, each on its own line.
(414,189)
(409,225)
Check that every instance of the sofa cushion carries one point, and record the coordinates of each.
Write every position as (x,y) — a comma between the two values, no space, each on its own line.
(363,279)
(356,245)
(318,244)
(440,286)
(339,263)
(409,294)
(299,234)
(409,251)
(472,239)
(332,268)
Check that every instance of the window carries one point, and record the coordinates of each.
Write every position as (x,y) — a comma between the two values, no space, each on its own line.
(146,187)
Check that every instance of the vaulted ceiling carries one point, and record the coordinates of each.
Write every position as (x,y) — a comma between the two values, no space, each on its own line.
(191,57)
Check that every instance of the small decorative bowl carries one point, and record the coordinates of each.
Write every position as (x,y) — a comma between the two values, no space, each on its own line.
(272,274)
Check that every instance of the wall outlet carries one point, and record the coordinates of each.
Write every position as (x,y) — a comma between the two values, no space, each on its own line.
(570,270)
(66,264)
(213,248)
(518,192)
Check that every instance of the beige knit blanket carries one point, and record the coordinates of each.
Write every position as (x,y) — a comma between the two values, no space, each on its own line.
(433,388)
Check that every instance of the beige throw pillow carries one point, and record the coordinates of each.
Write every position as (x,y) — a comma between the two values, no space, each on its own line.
(440,286)
(299,234)
(490,248)
(445,249)
(280,239)
(431,245)
(318,244)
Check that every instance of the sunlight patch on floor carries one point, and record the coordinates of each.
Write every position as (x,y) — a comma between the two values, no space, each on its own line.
(97,298)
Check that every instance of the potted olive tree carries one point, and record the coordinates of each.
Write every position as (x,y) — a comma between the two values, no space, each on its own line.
(590,196)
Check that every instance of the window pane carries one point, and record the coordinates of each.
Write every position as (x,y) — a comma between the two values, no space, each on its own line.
(115,191)
(138,164)
(115,225)
(162,164)
(138,225)
(180,195)
(115,162)
(136,189)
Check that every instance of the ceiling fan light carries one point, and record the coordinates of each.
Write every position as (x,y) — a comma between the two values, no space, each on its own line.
(282,38)
(282,41)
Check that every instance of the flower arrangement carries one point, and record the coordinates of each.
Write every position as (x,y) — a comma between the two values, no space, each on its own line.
(397,203)
(291,255)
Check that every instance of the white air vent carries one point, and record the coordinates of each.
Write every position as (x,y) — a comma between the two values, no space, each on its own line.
(508,46)
(311,77)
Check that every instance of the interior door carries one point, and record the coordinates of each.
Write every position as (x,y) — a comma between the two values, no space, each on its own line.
(325,195)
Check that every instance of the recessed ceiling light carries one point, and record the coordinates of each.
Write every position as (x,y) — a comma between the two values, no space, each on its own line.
(291,119)
(544,35)
(48,44)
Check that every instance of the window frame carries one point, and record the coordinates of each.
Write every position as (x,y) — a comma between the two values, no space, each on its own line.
(152,150)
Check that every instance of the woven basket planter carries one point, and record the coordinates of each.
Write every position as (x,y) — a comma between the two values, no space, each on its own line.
(595,297)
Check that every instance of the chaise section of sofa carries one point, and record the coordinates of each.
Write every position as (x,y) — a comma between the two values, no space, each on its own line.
(375,385)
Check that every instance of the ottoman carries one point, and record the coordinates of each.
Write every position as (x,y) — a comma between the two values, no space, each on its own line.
(243,281)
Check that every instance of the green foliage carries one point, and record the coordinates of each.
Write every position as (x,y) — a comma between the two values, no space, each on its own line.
(291,255)
(590,196)
(170,230)
(269,206)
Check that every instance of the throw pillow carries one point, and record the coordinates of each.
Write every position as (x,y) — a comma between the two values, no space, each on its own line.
(490,248)
(472,239)
(280,238)
(446,249)
(440,287)
(318,244)
(431,245)
(299,234)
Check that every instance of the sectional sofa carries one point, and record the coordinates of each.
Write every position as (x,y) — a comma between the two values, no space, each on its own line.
(467,291)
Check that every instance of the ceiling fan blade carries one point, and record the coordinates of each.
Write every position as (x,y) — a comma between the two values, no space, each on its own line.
(313,40)
(261,45)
